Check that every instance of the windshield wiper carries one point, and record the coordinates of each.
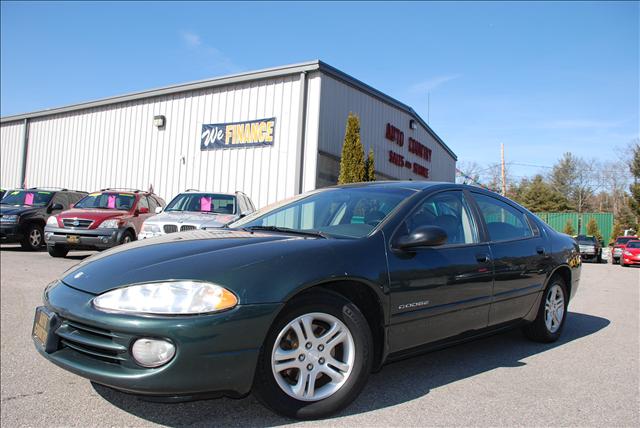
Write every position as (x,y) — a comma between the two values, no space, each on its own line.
(315,233)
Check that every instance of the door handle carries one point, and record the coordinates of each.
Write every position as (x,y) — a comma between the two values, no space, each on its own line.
(483,258)
(540,250)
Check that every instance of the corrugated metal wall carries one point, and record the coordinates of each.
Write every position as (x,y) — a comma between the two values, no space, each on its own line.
(11,154)
(338,99)
(118,146)
(559,220)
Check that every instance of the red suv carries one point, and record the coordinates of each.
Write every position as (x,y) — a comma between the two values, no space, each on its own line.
(100,220)
(619,246)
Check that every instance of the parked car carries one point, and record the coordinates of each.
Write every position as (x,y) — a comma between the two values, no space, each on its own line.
(301,301)
(100,220)
(24,213)
(197,210)
(590,247)
(631,253)
(2,192)
(618,247)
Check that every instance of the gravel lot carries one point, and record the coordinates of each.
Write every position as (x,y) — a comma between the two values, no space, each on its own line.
(588,378)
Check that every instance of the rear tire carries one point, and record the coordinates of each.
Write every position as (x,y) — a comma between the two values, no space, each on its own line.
(34,237)
(332,377)
(599,259)
(57,250)
(552,313)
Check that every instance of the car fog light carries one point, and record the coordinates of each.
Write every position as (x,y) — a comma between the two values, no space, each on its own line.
(152,352)
(105,240)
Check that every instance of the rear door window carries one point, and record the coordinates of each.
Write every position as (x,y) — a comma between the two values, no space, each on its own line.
(504,222)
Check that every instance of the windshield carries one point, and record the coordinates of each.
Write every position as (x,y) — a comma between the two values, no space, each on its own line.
(633,244)
(108,201)
(586,240)
(347,212)
(27,197)
(203,202)
(624,240)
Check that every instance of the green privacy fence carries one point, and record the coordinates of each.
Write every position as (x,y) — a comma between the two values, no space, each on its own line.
(558,220)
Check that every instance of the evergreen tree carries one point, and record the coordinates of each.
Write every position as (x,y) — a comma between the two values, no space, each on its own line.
(352,164)
(369,168)
(568,228)
(617,231)
(592,229)
(537,196)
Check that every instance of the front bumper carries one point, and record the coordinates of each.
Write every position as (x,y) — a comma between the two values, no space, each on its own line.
(214,353)
(10,233)
(87,239)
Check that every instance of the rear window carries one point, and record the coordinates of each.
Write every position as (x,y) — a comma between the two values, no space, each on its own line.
(586,240)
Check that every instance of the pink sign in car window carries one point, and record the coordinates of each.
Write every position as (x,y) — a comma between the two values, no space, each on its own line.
(205,203)
(111,201)
(28,199)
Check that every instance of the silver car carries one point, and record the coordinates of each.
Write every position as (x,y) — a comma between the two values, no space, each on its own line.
(197,210)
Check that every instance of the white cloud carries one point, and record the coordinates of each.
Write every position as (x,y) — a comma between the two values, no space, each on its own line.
(432,83)
(581,124)
(191,39)
(216,59)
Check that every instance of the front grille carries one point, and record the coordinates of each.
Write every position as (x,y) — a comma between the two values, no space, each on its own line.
(187,227)
(77,223)
(170,228)
(91,341)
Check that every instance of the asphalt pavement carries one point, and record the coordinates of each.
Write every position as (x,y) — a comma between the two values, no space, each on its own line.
(588,378)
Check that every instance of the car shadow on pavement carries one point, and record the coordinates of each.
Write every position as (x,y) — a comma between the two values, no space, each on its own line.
(397,383)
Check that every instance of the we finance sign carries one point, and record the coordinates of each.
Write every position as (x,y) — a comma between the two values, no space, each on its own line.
(259,132)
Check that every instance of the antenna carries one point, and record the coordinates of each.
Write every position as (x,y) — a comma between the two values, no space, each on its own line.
(504,182)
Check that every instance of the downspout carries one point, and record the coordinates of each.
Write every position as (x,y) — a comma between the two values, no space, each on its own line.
(25,152)
(302,125)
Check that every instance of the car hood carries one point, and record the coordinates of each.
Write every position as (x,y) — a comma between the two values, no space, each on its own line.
(238,260)
(97,214)
(17,209)
(190,217)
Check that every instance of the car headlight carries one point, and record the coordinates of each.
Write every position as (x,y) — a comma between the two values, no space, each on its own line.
(150,228)
(52,221)
(110,224)
(167,298)
(628,253)
(9,219)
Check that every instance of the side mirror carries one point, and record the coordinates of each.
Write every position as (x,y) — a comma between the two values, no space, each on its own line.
(55,207)
(158,210)
(143,210)
(423,236)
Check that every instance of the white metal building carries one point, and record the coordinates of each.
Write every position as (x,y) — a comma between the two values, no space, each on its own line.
(271,133)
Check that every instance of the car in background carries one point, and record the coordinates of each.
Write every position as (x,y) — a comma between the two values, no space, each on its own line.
(197,210)
(100,220)
(2,192)
(590,247)
(618,247)
(300,302)
(24,213)
(631,253)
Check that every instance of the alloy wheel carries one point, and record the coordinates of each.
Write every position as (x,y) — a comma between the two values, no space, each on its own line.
(35,238)
(554,308)
(313,356)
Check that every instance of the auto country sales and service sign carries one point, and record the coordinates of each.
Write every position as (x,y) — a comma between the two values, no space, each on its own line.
(259,132)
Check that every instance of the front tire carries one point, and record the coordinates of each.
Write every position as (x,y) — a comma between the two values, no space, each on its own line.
(34,238)
(552,313)
(316,358)
(57,250)
(127,237)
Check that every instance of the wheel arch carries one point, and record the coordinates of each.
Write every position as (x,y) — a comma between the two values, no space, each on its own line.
(564,271)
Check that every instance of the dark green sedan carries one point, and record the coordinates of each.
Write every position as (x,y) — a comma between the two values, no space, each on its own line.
(300,301)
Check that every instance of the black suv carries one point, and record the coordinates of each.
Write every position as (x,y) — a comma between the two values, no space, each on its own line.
(590,247)
(24,213)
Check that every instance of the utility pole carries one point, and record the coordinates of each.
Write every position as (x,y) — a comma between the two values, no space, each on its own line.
(504,180)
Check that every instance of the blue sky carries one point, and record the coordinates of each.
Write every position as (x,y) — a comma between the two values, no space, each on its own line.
(542,78)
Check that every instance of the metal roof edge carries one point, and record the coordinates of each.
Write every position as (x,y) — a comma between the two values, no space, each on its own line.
(173,89)
(341,75)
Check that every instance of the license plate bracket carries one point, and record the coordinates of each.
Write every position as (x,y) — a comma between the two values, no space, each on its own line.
(43,332)
(73,239)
